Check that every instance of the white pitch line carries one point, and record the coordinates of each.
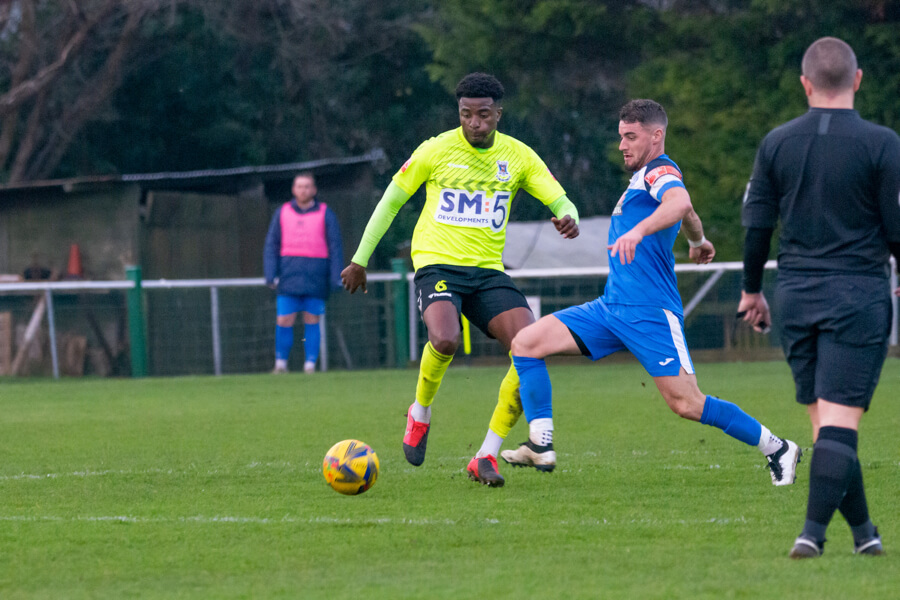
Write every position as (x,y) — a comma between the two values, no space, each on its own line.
(152,471)
(226,519)
(85,473)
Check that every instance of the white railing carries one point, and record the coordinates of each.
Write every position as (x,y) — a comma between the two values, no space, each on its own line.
(49,287)
(715,271)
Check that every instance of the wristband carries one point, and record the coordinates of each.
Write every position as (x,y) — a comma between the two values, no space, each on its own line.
(694,244)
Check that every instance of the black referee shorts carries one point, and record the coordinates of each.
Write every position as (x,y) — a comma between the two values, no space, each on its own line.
(835,331)
(479,294)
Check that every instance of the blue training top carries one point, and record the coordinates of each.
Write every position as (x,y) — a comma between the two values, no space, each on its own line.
(650,278)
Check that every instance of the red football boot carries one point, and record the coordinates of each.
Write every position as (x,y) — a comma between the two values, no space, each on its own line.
(415,440)
(484,470)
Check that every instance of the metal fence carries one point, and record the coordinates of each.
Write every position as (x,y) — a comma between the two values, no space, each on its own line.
(218,326)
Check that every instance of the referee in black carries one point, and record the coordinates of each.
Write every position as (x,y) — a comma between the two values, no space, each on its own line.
(834,181)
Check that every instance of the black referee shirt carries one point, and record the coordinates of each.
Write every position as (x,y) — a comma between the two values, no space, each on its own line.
(833,179)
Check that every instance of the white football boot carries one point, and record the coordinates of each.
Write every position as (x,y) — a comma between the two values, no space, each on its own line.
(529,454)
(783,463)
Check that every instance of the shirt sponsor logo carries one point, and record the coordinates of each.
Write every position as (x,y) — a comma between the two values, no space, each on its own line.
(456,166)
(658,172)
(472,209)
(618,209)
(503,170)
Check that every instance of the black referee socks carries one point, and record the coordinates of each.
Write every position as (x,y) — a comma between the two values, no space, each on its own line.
(835,481)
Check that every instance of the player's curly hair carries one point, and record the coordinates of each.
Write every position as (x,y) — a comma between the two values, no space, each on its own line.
(479,85)
(645,112)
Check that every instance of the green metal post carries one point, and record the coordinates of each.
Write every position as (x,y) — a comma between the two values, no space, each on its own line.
(137,335)
(401,313)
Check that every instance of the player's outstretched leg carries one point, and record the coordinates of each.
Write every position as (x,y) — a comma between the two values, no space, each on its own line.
(418,420)
(782,455)
(536,394)
(506,414)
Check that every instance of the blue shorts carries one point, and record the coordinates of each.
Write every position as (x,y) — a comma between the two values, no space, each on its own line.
(288,305)
(654,335)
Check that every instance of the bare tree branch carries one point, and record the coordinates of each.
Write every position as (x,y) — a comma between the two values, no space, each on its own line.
(97,91)
(29,141)
(46,76)
(28,51)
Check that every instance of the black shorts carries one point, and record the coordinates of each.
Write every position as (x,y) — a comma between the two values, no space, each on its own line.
(479,294)
(835,331)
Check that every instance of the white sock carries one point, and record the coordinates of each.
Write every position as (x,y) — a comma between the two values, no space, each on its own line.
(541,432)
(490,446)
(281,363)
(420,413)
(768,443)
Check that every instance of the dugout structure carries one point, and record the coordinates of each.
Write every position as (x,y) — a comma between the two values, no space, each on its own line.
(173,225)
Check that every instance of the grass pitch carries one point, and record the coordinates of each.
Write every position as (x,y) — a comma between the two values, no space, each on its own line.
(212,488)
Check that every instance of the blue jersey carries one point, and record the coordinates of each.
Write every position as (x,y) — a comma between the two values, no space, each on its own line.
(650,278)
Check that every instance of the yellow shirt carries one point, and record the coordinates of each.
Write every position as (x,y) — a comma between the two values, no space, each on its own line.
(468,196)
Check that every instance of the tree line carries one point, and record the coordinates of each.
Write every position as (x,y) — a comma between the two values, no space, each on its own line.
(105,86)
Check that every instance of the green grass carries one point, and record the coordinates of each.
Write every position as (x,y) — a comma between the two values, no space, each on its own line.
(212,488)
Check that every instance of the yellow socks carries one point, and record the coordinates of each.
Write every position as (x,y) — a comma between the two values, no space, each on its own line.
(509,405)
(431,372)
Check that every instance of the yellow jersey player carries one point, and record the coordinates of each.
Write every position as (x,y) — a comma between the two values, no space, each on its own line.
(471,175)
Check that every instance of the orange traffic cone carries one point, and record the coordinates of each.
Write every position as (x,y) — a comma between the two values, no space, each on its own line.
(74,270)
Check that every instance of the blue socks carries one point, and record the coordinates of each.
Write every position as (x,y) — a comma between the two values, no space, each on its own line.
(284,341)
(729,417)
(537,403)
(534,387)
(313,336)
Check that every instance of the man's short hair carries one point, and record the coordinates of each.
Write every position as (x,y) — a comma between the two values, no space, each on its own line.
(830,64)
(308,174)
(479,85)
(645,112)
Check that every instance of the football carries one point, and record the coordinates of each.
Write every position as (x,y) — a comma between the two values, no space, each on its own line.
(350,467)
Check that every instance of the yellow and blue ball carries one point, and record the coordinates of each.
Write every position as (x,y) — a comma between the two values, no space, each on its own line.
(350,467)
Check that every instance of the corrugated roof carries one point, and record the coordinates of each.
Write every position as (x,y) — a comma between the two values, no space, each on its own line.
(374,155)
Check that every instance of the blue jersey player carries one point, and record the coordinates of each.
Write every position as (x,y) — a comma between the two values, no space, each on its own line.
(640,309)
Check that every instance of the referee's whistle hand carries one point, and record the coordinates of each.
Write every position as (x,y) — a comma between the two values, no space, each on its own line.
(567,227)
(754,310)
